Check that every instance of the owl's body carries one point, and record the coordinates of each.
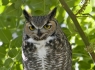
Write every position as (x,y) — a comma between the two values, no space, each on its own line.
(45,47)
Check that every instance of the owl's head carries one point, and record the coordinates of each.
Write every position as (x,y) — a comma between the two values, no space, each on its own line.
(40,27)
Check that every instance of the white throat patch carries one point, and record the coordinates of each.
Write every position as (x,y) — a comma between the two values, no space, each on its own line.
(41,49)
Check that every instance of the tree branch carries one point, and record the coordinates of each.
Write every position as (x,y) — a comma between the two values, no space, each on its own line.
(76,23)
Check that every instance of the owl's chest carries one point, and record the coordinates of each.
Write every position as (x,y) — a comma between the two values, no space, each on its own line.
(41,50)
(41,53)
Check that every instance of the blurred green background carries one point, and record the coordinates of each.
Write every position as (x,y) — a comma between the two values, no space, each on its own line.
(12,22)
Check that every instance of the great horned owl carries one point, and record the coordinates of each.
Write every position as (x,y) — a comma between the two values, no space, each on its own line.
(45,47)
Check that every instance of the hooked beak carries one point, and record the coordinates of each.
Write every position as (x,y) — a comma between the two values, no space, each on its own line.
(39,33)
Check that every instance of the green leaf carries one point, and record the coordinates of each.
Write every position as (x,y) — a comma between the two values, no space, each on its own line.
(60,14)
(18,57)
(9,23)
(3,68)
(66,31)
(5,2)
(88,9)
(18,66)
(1,63)
(2,9)
(41,7)
(71,26)
(13,1)
(5,35)
(13,52)
(84,65)
(17,42)
(12,11)
(18,4)
(3,51)
(72,3)
(8,63)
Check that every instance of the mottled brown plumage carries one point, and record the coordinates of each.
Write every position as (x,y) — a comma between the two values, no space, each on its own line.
(45,47)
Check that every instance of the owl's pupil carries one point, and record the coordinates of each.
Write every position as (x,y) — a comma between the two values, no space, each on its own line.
(31,27)
(47,25)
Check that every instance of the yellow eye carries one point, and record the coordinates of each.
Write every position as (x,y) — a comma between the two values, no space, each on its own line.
(31,27)
(47,26)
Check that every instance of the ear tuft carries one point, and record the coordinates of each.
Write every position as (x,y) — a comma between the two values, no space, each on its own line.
(52,13)
(26,15)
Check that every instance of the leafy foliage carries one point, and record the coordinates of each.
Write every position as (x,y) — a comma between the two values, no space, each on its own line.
(12,22)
